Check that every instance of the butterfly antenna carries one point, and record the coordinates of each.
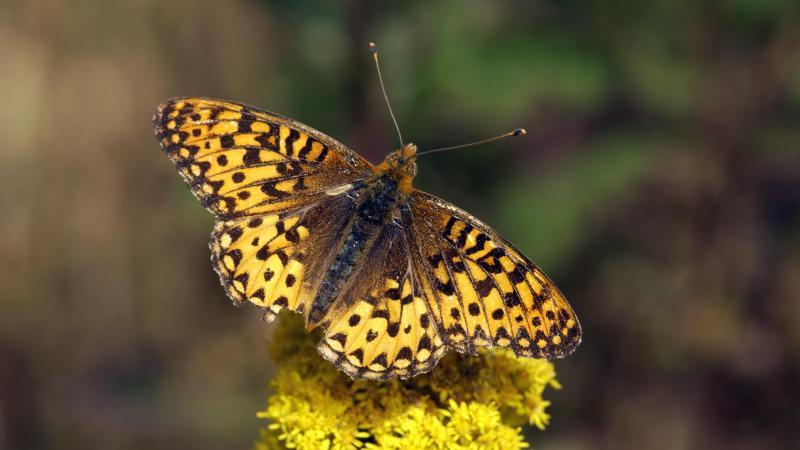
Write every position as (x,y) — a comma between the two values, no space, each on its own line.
(373,49)
(512,133)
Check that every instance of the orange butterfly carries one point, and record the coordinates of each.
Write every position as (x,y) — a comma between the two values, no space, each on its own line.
(394,276)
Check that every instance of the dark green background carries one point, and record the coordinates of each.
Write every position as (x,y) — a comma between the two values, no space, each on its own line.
(659,186)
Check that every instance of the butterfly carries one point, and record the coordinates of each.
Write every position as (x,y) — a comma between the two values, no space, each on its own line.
(393,276)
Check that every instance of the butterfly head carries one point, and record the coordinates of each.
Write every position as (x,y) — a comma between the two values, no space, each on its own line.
(401,164)
(403,160)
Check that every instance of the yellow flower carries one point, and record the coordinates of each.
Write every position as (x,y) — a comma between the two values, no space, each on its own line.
(467,402)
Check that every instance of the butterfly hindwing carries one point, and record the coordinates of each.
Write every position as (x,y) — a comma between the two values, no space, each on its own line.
(272,260)
(384,329)
(486,292)
(258,259)
(239,160)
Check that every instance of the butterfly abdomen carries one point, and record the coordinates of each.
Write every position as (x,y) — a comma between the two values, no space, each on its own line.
(376,201)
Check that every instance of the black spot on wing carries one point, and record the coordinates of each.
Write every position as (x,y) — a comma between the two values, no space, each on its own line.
(448,228)
(244,125)
(424,320)
(303,153)
(462,236)
(269,189)
(292,235)
(226,141)
(264,140)
(518,274)
(424,343)
(341,338)
(283,257)
(215,112)
(404,353)
(359,355)
(322,154)
(480,243)
(446,288)
(512,299)
(251,157)
(392,294)
(381,314)
(380,360)
(289,144)
(242,278)
(434,260)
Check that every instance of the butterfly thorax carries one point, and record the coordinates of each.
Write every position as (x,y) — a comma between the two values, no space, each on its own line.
(375,201)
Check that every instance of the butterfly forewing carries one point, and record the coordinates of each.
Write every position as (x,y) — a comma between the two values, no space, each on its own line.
(483,290)
(271,260)
(239,160)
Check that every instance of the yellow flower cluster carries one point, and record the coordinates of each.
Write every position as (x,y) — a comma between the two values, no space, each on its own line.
(467,402)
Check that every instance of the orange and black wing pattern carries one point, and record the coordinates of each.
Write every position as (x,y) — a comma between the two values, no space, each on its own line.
(384,328)
(288,199)
(239,160)
(439,279)
(273,184)
(481,291)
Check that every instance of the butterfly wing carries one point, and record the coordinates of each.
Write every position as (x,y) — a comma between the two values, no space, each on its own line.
(383,328)
(482,291)
(438,277)
(277,188)
(441,278)
(273,260)
(239,160)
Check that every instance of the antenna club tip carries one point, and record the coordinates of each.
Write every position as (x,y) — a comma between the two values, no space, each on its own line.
(372,47)
(519,132)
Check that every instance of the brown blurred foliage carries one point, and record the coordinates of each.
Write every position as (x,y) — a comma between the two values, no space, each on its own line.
(659,186)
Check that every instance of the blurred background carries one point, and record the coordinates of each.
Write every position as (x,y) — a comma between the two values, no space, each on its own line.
(659,186)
